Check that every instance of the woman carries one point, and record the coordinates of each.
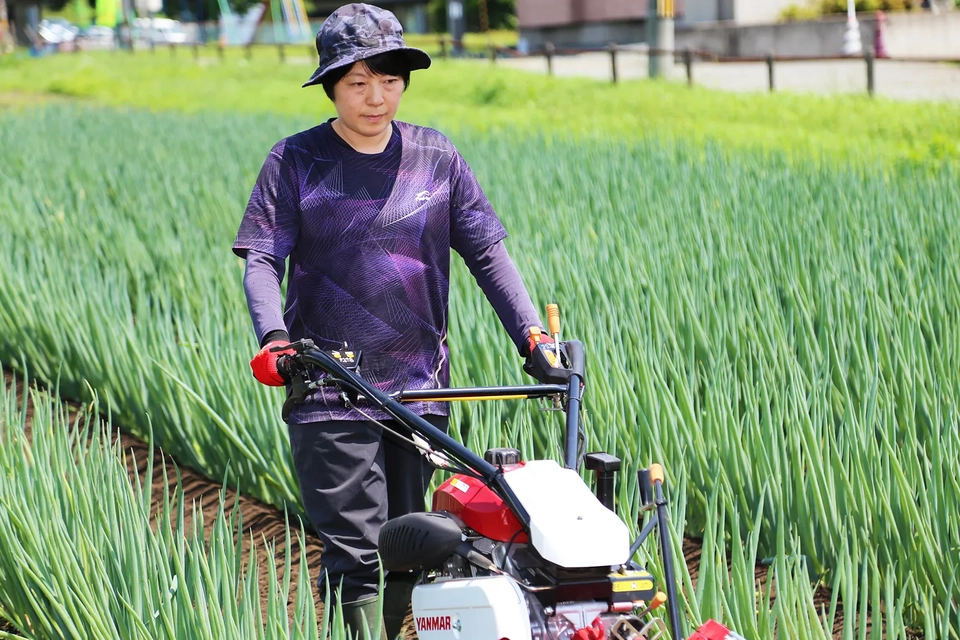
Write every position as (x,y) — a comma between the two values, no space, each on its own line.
(366,210)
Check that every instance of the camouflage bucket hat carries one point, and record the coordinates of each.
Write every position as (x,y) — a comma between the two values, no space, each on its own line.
(358,31)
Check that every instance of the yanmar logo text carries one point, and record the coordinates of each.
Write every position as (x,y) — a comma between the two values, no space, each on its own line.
(433,623)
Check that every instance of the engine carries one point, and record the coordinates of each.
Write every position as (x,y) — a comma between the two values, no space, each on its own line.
(484,577)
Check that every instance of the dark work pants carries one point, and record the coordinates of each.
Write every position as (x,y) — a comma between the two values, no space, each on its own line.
(353,477)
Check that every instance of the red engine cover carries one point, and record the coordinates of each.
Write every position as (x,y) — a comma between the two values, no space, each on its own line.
(480,508)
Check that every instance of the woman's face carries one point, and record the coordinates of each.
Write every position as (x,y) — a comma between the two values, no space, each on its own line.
(367,103)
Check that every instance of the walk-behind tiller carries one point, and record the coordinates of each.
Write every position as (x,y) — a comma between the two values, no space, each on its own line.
(515,549)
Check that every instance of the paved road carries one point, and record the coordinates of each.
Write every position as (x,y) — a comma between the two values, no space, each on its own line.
(902,80)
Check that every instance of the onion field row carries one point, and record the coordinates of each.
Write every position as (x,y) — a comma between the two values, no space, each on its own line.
(783,337)
(81,556)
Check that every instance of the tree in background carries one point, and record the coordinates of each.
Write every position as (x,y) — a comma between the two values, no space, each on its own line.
(840,6)
(501,14)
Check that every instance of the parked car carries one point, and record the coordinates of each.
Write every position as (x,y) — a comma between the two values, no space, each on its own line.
(159,31)
(57,31)
(64,24)
(97,37)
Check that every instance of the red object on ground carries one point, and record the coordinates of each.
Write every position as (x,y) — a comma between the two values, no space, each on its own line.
(713,630)
(879,46)
(588,633)
(594,632)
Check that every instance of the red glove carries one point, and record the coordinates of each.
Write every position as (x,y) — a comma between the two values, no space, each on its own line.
(532,342)
(264,364)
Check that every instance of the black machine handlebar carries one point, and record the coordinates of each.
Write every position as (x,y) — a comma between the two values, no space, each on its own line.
(558,367)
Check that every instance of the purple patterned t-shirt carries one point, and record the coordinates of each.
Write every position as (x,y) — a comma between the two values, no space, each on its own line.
(369,259)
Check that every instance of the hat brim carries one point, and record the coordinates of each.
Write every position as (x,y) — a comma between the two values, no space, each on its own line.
(416,58)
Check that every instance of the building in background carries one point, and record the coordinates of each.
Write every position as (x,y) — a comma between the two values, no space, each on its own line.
(581,23)
(596,23)
(740,11)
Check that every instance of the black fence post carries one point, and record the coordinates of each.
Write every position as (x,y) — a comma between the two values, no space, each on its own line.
(870,56)
(688,63)
(548,52)
(173,49)
(443,46)
(493,54)
(612,48)
(280,52)
(770,81)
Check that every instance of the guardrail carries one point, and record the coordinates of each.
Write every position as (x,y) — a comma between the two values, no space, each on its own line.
(688,57)
(450,49)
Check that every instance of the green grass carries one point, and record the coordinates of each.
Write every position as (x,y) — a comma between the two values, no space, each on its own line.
(459,95)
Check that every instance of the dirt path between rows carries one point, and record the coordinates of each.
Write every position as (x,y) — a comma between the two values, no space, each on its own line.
(262,521)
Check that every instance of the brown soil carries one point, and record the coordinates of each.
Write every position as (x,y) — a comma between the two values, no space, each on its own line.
(262,521)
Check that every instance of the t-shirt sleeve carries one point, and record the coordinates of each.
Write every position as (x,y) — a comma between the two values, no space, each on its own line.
(271,221)
(474,225)
(262,277)
(500,281)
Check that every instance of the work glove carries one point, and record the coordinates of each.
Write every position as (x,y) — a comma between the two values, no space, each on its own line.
(264,364)
(531,344)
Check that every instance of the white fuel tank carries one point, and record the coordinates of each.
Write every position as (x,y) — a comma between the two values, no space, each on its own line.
(488,608)
(568,525)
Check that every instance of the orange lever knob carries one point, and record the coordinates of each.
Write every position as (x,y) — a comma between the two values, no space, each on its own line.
(553,318)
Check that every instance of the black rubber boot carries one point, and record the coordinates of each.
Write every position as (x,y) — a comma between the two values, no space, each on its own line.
(397,590)
(361,618)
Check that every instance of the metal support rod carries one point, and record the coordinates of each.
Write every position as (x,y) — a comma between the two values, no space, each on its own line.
(688,63)
(571,446)
(605,489)
(869,57)
(642,537)
(653,28)
(280,52)
(770,81)
(612,48)
(669,575)
(666,41)
(481,393)
(852,44)
(548,52)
